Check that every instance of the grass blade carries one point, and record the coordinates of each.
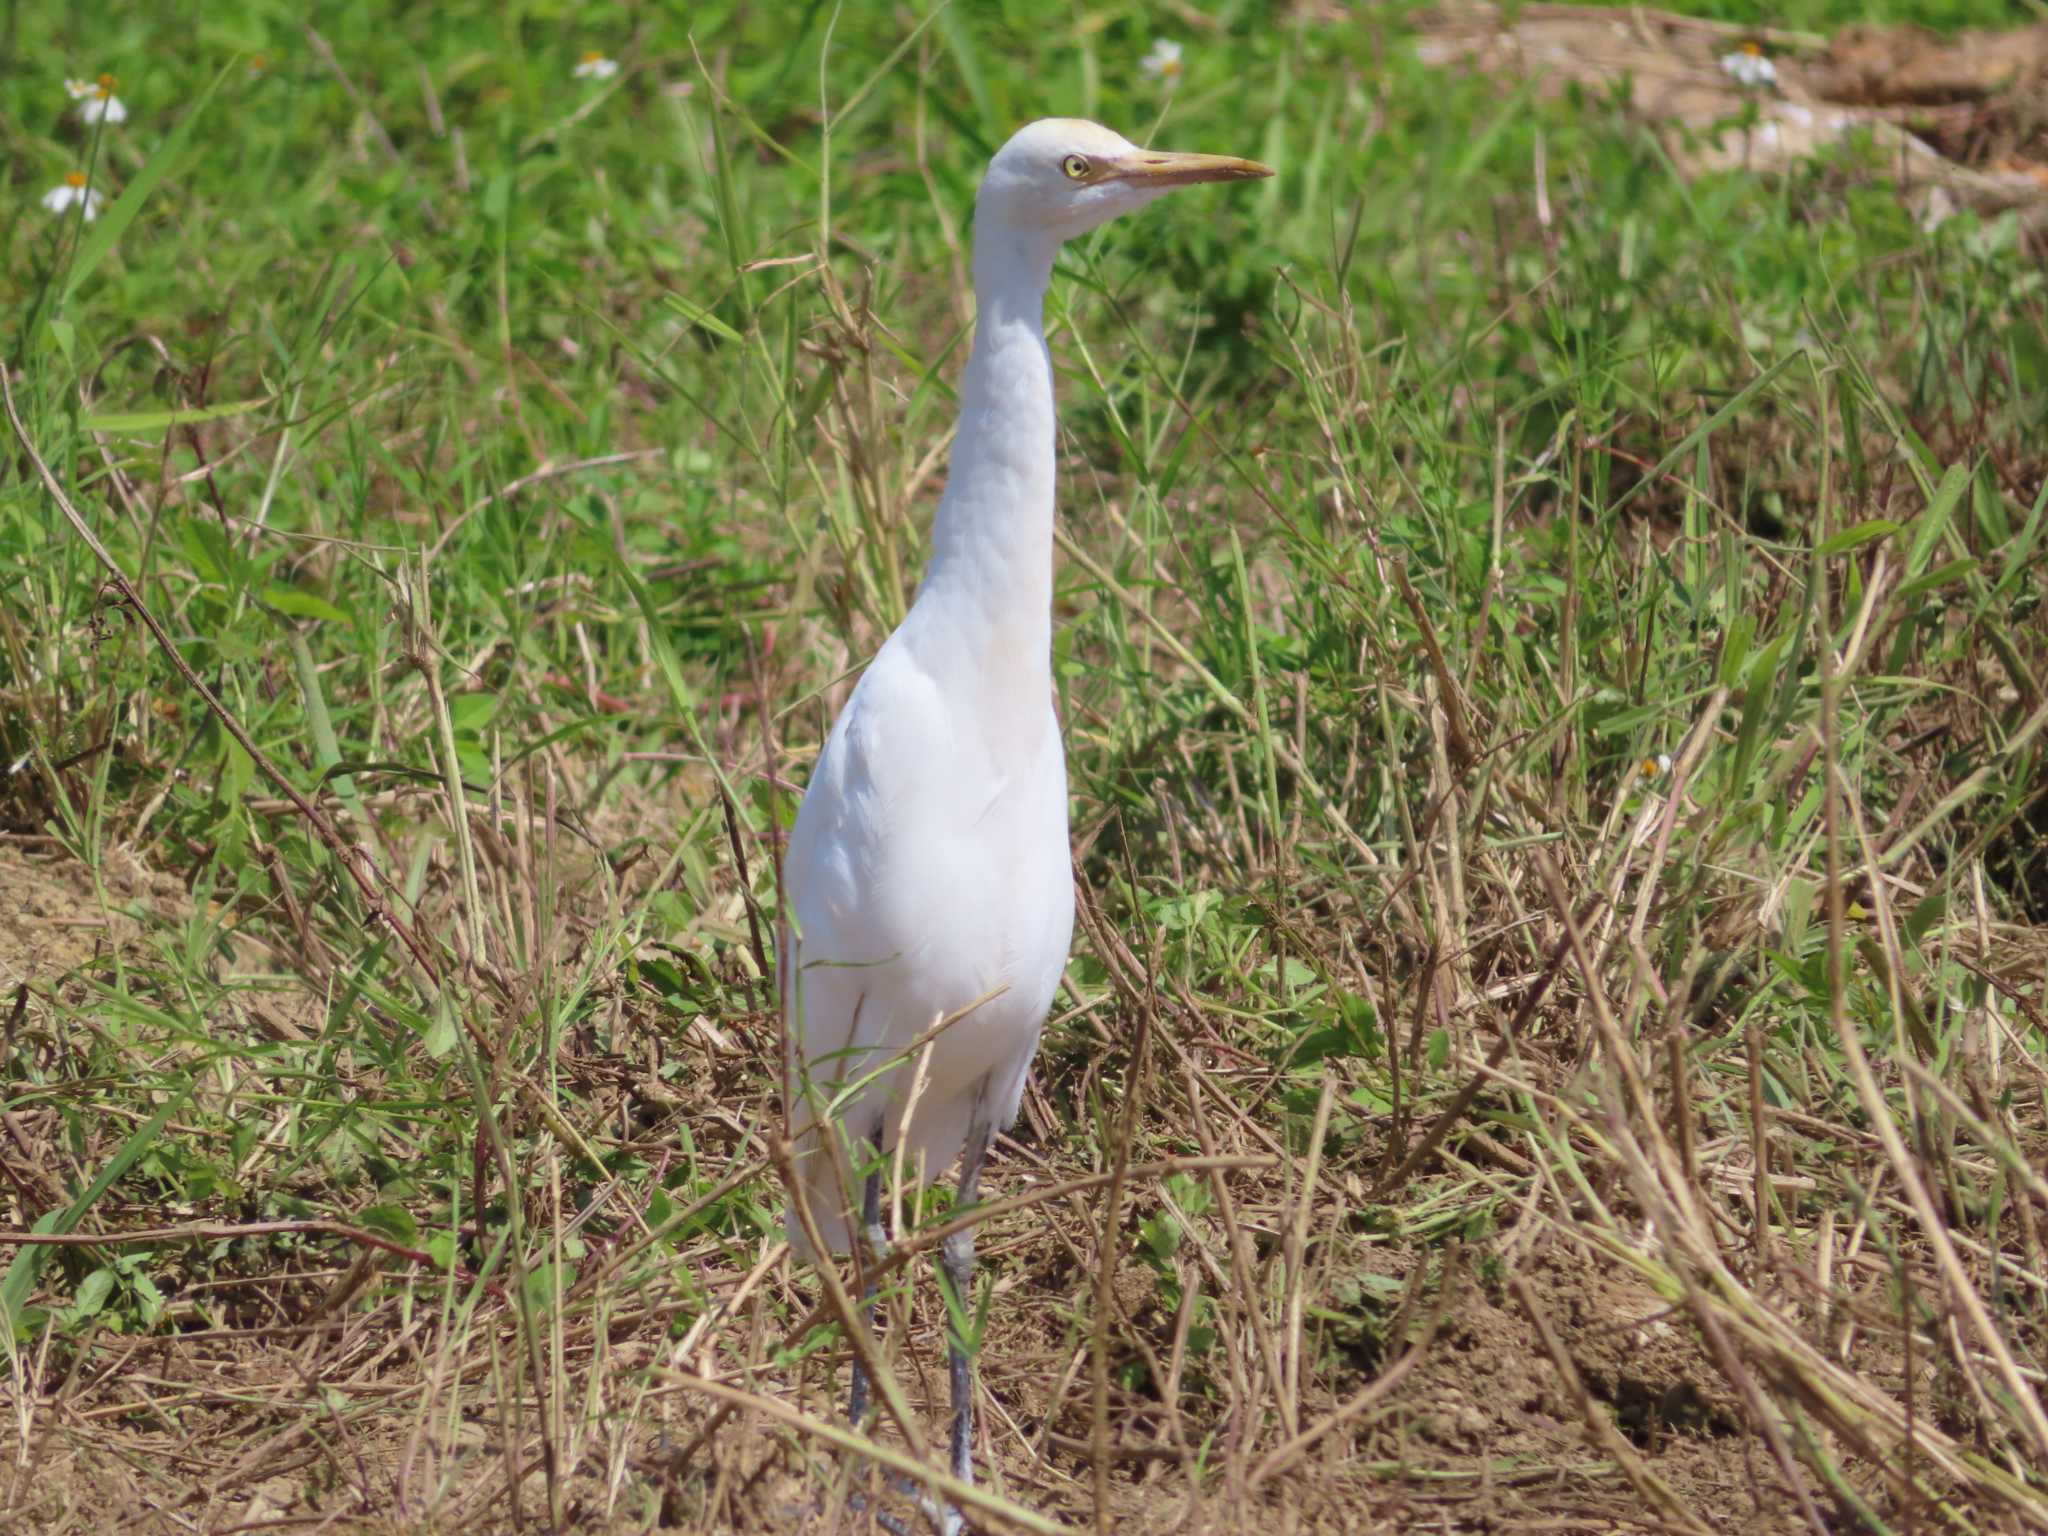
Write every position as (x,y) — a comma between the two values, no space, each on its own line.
(107,231)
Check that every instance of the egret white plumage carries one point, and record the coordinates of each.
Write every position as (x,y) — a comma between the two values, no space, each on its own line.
(928,871)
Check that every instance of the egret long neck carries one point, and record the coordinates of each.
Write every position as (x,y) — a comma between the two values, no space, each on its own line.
(991,565)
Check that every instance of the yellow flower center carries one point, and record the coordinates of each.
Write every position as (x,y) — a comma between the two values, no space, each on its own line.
(258,61)
(107,83)
(1751,47)
(103,94)
(593,56)
(74,179)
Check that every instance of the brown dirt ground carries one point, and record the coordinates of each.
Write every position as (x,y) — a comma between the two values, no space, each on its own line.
(288,1418)
(213,1435)
(51,921)
(1962,119)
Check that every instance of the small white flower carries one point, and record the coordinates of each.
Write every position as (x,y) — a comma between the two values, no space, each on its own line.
(70,191)
(102,106)
(1655,767)
(1748,67)
(595,66)
(96,100)
(1163,62)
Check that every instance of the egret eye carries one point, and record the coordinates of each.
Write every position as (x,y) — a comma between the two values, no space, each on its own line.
(1076,167)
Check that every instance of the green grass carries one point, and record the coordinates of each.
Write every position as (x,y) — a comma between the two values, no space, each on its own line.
(526,462)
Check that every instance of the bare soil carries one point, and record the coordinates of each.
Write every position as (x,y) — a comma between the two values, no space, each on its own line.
(306,1396)
(1962,122)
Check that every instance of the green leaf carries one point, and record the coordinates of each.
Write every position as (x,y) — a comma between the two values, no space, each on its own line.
(149,1296)
(1161,1236)
(443,1033)
(102,236)
(1989,505)
(1928,911)
(326,746)
(162,421)
(21,1274)
(93,1294)
(658,641)
(1940,576)
(702,318)
(302,605)
(471,712)
(1927,528)
(1371,1100)
(1858,536)
(237,772)
(1735,648)
(2019,552)
(540,1284)
(392,1221)
(1626,722)
(206,549)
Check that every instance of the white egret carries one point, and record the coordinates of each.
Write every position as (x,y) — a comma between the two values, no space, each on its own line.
(929,864)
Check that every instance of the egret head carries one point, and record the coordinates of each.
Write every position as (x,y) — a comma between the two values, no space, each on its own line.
(1062,176)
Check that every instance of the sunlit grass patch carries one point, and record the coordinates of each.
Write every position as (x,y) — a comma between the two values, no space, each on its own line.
(1552,657)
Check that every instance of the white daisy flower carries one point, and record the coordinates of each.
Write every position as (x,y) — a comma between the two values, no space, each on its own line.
(595,66)
(97,102)
(1163,62)
(72,191)
(1748,67)
(1655,767)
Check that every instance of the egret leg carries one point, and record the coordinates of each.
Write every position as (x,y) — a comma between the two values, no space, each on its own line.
(859,1399)
(956,1257)
(878,1245)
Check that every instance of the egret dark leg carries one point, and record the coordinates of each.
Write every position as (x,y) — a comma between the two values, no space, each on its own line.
(877,1238)
(878,1245)
(956,1257)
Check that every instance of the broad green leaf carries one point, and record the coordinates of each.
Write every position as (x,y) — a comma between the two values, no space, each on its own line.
(471,711)
(92,1294)
(392,1221)
(206,549)
(443,1033)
